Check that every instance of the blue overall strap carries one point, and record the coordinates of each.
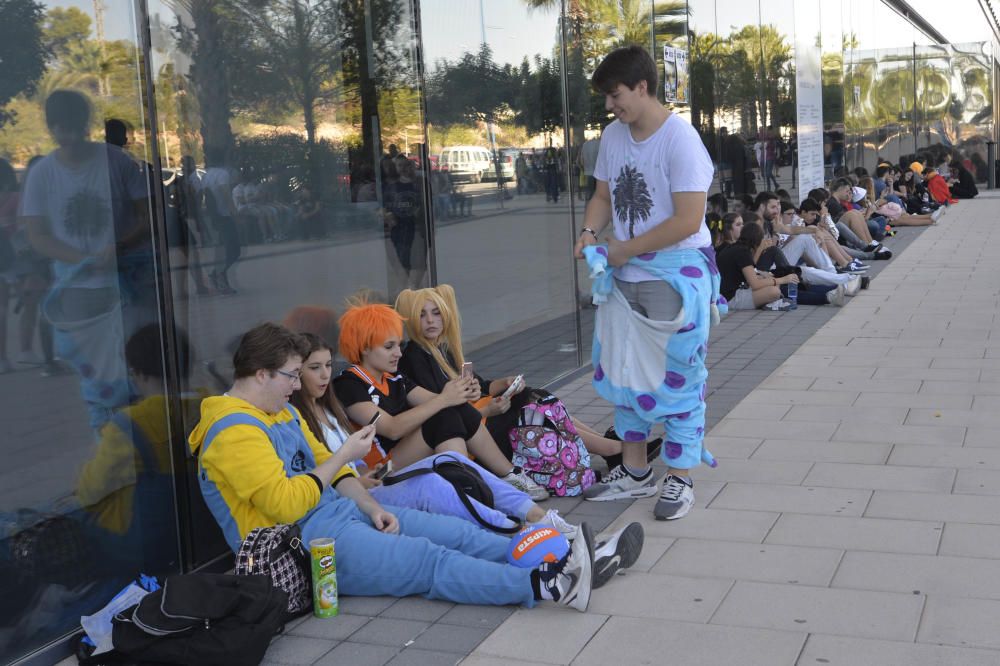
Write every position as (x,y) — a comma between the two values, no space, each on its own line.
(210,491)
(140,442)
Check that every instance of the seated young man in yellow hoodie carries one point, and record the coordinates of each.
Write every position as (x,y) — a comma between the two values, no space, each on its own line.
(259,465)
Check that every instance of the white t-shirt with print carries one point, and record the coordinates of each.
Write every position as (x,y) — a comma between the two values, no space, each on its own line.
(87,205)
(643,175)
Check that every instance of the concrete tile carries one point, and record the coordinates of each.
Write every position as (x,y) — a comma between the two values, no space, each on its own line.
(749,561)
(800,499)
(789,383)
(982,437)
(731,447)
(707,523)
(849,360)
(769,412)
(967,540)
(358,654)
(417,608)
(849,533)
(916,400)
(451,638)
(934,387)
(977,482)
(867,385)
(928,574)
(487,617)
(555,635)
(944,374)
(776,429)
(847,452)
(821,610)
(881,477)
(970,457)
(486,660)
(369,606)
(627,640)
(873,413)
(843,651)
(811,397)
(954,417)
(905,434)
(653,549)
(638,594)
(417,657)
(934,507)
(331,628)
(950,620)
(389,632)
(297,650)
(754,471)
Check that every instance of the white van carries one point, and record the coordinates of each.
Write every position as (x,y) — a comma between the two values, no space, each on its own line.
(467,163)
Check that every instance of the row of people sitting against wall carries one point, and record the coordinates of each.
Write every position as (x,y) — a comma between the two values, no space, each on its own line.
(287,443)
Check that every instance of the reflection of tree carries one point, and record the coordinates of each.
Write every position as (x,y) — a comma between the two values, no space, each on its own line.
(473,88)
(22,52)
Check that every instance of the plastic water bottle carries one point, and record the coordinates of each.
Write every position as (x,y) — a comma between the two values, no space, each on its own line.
(793,296)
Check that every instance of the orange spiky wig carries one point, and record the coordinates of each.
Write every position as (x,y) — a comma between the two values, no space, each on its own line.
(366,325)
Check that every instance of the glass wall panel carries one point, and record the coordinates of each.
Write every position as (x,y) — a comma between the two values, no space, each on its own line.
(776,78)
(832,65)
(504,178)
(291,138)
(87,484)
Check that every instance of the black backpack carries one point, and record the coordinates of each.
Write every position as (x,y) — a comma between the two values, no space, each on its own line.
(467,483)
(200,619)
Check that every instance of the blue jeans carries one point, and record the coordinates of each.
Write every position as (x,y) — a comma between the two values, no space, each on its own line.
(437,557)
(876,226)
(433,494)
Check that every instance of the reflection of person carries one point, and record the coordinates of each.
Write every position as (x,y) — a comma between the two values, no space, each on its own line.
(588,161)
(84,207)
(653,176)
(217,185)
(734,155)
(550,162)
(260,465)
(127,487)
(414,423)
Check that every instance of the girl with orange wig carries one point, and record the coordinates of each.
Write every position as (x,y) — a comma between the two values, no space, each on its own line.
(413,423)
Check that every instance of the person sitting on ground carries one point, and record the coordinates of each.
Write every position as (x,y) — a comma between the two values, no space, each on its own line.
(731,226)
(327,420)
(842,209)
(747,289)
(964,183)
(414,422)
(791,217)
(850,241)
(434,356)
(891,210)
(259,465)
(937,187)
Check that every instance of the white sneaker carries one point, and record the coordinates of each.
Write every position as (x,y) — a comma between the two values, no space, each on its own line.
(836,296)
(620,551)
(852,286)
(676,499)
(619,484)
(569,581)
(553,519)
(936,215)
(518,478)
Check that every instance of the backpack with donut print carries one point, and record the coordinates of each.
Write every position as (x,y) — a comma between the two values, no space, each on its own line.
(547,445)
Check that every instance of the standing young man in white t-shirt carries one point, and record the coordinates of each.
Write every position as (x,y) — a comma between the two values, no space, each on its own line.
(653,175)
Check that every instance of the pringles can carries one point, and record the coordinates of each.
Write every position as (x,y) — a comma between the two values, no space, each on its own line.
(324,578)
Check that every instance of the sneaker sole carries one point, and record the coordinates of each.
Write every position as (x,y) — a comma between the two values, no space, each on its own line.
(627,550)
(584,585)
(680,514)
(626,495)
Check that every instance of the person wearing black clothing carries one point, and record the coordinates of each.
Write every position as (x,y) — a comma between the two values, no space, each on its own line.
(964,187)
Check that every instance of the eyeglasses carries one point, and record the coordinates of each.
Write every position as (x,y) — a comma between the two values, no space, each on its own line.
(294,376)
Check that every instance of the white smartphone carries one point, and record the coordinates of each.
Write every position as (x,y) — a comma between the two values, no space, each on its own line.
(514,386)
(467,369)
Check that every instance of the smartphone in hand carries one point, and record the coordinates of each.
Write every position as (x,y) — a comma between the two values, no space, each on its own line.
(514,387)
(383,470)
(372,421)
(467,369)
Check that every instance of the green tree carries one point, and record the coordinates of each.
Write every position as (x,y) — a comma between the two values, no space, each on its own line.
(65,26)
(22,52)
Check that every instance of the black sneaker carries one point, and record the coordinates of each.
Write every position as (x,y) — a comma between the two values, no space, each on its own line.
(865,281)
(620,551)
(570,580)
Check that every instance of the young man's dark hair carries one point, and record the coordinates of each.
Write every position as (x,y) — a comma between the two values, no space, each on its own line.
(840,183)
(747,200)
(266,347)
(809,205)
(783,194)
(819,195)
(67,109)
(860,172)
(144,355)
(628,66)
(881,170)
(719,201)
(116,132)
(786,205)
(762,199)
